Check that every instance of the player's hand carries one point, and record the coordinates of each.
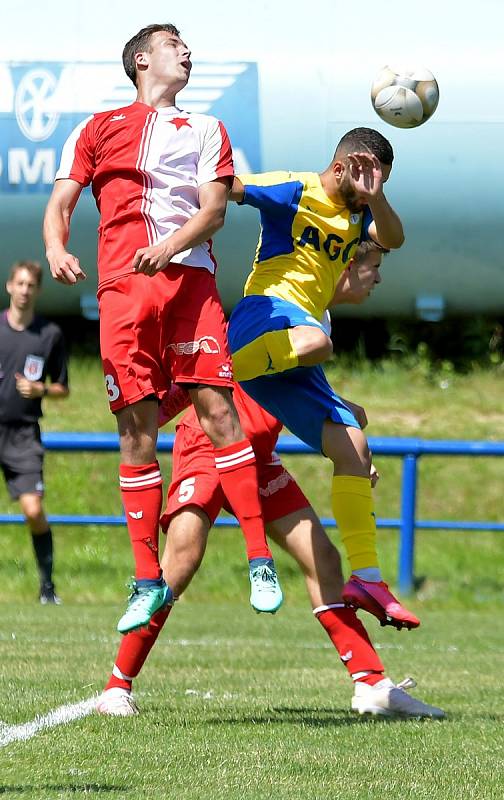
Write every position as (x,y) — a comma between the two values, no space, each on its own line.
(358,412)
(365,174)
(373,474)
(151,260)
(65,268)
(28,389)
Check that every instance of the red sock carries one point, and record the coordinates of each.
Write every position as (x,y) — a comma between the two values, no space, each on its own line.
(142,496)
(237,470)
(349,636)
(134,649)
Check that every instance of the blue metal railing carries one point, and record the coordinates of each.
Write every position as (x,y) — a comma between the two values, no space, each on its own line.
(409,449)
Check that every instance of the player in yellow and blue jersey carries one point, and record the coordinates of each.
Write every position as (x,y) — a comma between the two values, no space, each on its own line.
(311,224)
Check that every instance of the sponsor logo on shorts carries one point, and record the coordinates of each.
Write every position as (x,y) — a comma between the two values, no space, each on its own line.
(39,487)
(276,484)
(205,344)
(33,368)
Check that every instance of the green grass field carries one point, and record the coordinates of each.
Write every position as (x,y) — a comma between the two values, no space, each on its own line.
(236,706)
(240,706)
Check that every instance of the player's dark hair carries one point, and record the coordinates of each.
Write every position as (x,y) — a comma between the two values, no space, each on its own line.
(33,268)
(365,139)
(140,43)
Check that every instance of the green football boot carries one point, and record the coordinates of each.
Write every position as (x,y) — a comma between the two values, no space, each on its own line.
(147,597)
(265,592)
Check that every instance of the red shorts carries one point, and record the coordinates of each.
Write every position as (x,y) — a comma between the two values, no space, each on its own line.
(159,330)
(195,482)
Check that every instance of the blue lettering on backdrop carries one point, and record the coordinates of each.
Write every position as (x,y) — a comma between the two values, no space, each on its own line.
(42,102)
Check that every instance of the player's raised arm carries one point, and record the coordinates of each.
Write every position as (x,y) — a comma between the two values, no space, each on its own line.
(368,176)
(65,267)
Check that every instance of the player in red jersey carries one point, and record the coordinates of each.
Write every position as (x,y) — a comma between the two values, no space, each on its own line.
(195,499)
(160,178)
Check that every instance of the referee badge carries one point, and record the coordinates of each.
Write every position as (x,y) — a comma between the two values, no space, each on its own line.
(33,368)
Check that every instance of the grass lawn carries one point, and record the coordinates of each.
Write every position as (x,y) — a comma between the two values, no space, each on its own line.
(240,706)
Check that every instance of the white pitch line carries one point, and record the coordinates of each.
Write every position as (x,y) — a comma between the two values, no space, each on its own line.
(59,716)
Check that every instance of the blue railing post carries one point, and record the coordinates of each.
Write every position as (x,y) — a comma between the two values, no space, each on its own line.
(407,530)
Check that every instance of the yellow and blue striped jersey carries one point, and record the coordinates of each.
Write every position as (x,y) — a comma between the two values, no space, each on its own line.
(306,239)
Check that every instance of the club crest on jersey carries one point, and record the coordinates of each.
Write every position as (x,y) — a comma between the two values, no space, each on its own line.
(226,371)
(33,368)
(180,122)
(205,344)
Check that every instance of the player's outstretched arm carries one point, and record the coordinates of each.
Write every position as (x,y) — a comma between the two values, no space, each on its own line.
(386,228)
(65,267)
(367,180)
(207,221)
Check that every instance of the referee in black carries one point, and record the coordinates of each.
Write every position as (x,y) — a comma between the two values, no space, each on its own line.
(33,365)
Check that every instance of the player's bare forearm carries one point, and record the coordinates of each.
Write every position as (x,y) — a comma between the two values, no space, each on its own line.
(386,228)
(358,412)
(57,391)
(65,267)
(198,229)
(237,190)
(33,389)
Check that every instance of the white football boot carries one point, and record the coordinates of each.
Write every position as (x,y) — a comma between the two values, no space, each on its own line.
(388,700)
(117,702)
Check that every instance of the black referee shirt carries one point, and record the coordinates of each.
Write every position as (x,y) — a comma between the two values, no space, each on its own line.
(36,352)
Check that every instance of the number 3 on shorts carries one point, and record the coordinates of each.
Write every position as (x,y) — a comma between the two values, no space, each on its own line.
(113,390)
(186,490)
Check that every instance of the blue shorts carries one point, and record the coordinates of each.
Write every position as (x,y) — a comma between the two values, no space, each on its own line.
(259,314)
(301,398)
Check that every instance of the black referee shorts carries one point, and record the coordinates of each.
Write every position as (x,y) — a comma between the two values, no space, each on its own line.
(21,458)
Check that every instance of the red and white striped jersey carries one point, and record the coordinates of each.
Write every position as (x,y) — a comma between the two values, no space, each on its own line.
(145,166)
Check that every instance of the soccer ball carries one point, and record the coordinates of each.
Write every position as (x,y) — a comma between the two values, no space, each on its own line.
(405,98)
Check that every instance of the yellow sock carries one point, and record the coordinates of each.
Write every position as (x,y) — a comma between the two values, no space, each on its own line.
(269,353)
(352,505)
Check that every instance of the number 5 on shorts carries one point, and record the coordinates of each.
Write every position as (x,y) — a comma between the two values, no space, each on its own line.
(186,489)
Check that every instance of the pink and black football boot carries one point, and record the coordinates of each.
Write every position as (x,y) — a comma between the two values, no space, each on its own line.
(377,599)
